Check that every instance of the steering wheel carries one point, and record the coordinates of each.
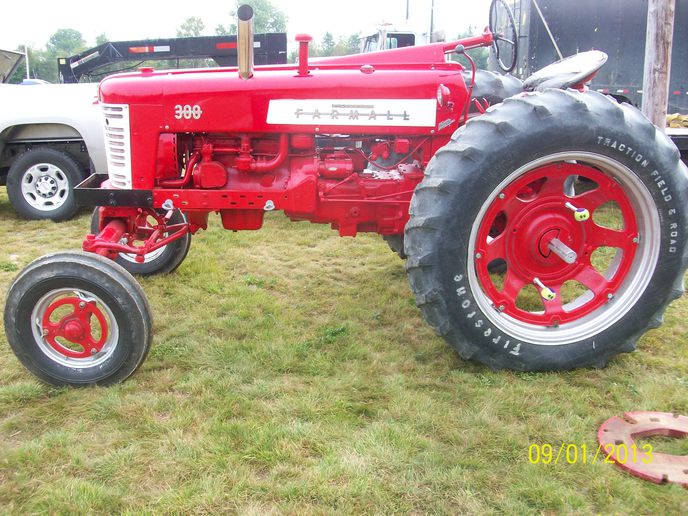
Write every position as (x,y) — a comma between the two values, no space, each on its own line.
(503,28)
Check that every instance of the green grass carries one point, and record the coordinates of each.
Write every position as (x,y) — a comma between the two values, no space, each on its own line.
(291,373)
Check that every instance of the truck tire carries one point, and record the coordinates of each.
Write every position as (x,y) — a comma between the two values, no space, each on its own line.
(162,261)
(40,184)
(78,319)
(622,230)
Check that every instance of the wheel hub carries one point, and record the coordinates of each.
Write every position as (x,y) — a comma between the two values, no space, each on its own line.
(79,333)
(46,186)
(542,228)
(73,330)
(530,237)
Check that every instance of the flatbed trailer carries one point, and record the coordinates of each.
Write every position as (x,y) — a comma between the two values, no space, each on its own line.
(269,48)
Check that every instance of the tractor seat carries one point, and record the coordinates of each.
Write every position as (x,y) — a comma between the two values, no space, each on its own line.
(567,72)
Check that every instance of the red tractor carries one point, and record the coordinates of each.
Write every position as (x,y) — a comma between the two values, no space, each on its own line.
(556,189)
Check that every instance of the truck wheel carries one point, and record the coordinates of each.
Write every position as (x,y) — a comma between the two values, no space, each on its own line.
(591,201)
(162,261)
(77,319)
(40,183)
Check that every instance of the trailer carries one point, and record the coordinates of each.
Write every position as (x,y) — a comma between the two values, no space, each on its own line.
(270,48)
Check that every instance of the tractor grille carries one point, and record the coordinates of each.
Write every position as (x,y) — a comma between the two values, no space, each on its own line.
(118,144)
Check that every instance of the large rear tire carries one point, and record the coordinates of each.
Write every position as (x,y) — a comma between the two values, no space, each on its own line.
(78,319)
(591,201)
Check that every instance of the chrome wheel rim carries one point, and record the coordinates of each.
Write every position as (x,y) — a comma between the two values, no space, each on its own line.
(45,187)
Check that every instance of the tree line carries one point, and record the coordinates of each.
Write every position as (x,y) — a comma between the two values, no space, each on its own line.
(267,18)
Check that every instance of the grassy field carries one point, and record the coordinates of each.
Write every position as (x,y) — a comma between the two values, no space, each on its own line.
(292,373)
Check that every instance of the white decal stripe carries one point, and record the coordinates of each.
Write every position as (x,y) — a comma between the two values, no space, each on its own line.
(354,112)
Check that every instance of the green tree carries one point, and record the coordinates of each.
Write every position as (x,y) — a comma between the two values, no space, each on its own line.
(101,38)
(327,45)
(20,73)
(266,18)
(65,42)
(191,27)
(346,46)
(62,43)
(479,55)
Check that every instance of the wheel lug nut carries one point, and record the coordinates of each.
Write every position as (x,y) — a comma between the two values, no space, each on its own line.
(45,332)
(478,256)
(580,214)
(502,196)
(82,305)
(547,293)
(94,351)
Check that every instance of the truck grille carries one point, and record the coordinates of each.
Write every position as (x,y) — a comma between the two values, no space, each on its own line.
(118,144)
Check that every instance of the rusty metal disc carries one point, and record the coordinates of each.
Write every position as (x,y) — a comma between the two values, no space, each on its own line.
(617,440)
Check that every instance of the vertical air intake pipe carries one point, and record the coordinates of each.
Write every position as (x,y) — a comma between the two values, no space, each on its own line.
(245,41)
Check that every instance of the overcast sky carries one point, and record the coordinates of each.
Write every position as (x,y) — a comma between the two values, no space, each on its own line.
(33,21)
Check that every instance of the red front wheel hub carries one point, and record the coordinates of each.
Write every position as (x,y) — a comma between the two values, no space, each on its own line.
(75,328)
(72,333)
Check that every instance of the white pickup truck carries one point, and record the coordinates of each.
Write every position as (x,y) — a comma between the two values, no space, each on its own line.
(51,137)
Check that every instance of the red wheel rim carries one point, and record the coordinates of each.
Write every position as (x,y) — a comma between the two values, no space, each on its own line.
(531,213)
(75,327)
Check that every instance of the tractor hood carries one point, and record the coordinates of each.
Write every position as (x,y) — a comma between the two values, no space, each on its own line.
(331,98)
(9,61)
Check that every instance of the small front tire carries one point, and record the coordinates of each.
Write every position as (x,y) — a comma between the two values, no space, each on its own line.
(78,319)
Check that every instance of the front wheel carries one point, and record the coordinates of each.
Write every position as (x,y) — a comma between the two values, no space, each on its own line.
(581,200)
(161,261)
(78,319)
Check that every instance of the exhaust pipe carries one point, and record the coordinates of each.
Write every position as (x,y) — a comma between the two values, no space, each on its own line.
(245,41)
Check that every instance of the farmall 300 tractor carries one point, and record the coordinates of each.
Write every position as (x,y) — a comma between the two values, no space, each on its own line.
(555,189)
